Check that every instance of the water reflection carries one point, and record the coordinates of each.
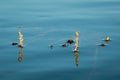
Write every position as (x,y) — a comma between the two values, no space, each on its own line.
(76,48)
(20,55)
(76,57)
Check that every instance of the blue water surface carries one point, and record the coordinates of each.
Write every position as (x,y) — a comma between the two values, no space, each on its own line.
(45,22)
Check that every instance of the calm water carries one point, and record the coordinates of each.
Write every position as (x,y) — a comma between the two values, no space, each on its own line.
(54,21)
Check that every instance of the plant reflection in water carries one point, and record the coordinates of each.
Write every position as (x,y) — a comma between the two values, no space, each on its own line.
(20,55)
(76,58)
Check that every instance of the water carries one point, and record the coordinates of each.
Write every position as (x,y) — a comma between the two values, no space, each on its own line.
(55,21)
